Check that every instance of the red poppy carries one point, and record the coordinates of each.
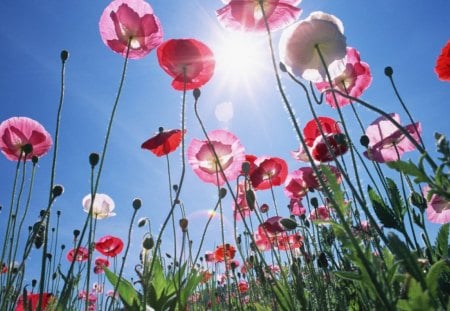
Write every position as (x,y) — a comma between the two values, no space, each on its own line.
(32,302)
(206,276)
(224,251)
(289,242)
(269,172)
(82,254)
(4,269)
(189,62)
(272,226)
(100,264)
(109,246)
(250,158)
(164,142)
(317,143)
(442,68)
(243,286)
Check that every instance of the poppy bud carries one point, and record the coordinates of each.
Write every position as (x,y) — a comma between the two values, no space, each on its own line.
(364,140)
(27,149)
(63,246)
(418,201)
(175,187)
(222,193)
(57,190)
(64,55)
(142,222)
(160,129)
(93,159)
(196,93)
(76,233)
(314,202)
(42,213)
(246,167)
(34,160)
(239,239)
(33,282)
(58,213)
(137,203)
(148,243)
(388,71)
(288,223)
(183,224)
(322,261)
(264,208)
(283,67)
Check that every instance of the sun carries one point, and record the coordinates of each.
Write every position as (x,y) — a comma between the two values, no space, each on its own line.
(241,58)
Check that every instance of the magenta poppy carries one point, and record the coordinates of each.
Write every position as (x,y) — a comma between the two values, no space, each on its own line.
(442,68)
(229,151)
(16,132)
(130,22)
(298,183)
(188,61)
(317,143)
(81,255)
(296,207)
(164,142)
(321,213)
(271,227)
(438,208)
(247,16)
(32,302)
(109,246)
(100,264)
(355,79)
(269,172)
(262,241)
(386,142)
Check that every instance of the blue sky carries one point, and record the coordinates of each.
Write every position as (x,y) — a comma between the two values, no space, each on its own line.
(407,36)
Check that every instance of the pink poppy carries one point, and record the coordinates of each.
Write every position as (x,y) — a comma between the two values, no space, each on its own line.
(247,16)
(32,302)
(296,207)
(271,227)
(316,142)
(386,142)
(229,152)
(130,22)
(188,61)
(321,213)
(100,264)
(289,242)
(16,132)
(109,246)
(209,256)
(242,209)
(82,254)
(269,172)
(299,181)
(102,207)
(298,47)
(355,79)
(262,241)
(438,208)
(164,142)
(442,68)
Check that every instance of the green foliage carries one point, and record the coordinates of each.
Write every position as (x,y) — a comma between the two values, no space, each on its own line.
(387,217)
(128,295)
(442,241)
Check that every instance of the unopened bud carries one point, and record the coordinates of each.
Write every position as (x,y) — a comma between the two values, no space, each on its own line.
(388,71)
(183,224)
(196,93)
(364,140)
(94,158)
(148,243)
(222,193)
(27,149)
(57,190)
(137,203)
(64,55)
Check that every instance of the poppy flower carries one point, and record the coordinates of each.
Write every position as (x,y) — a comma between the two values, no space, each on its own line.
(242,286)
(289,242)
(130,22)
(109,246)
(4,269)
(224,251)
(355,79)
(188,61)
(262,241)
(321,213)
(318,144)
(247,16)
(296,207)
(250,159)
(298,183)
(164,142)
(101,208)
(269,172)
(271,227)
(100,263)
(242,209)
(82,254)
(17,132)
(438,208)
(442,68)
(230,154)
(298,44)
(386,142)
(206,276)
(209,256)
(32,302)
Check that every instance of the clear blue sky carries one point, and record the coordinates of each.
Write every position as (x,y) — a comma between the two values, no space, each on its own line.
(406,35)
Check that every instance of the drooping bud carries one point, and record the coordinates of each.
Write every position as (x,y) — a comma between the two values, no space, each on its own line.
(142,222)
(283,67)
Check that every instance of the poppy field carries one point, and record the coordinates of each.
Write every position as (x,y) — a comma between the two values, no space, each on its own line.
(356,216)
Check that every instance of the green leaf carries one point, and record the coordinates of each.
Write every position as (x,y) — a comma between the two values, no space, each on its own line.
(395,198)
(282,296)
(442,241)
(418,300)
(409,168)
(337,193)
(352,276)
(386,216)
(127,293)
(409,259)
(433,274)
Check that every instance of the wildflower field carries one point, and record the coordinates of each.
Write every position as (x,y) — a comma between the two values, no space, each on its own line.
(247,156)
